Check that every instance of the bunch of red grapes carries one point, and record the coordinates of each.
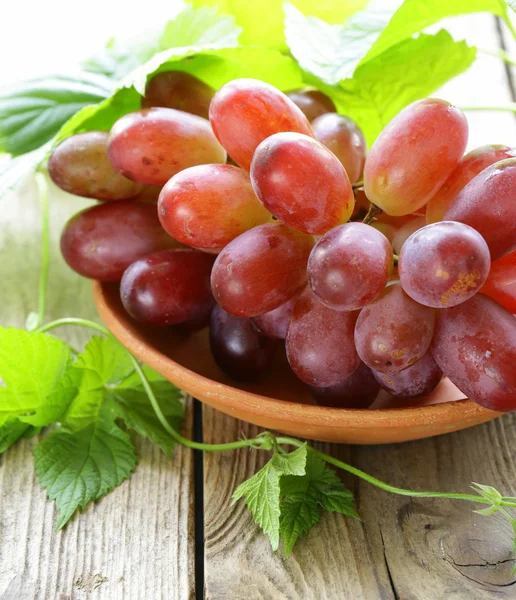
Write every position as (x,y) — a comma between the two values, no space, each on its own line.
(261,214)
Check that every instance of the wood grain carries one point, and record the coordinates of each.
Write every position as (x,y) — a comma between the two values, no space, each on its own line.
(402,548)
(137,543)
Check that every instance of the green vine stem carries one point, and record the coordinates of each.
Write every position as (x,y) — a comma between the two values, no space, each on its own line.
(266,440)
(510,107)
(498,53)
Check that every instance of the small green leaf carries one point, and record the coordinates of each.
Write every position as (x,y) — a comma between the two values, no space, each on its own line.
(79,466)
(262,491)
(31,365)
(131,403)
(11,431)
(304,496)
(263,22)
(32,112)
(487,512)
(103,363)
(488,492)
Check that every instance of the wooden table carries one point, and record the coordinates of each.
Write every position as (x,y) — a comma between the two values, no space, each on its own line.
(170,531)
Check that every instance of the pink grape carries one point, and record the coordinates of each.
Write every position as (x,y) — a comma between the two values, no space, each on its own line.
(350,266)
(313,103)
(102,241)
(501,283)
(261,269)
(80,166)
(345,139)
(151,145)
(393,332)
(246,111)
(301,183)
(359,390)
(475,346)
(179,90)
(274,324)
(418,380)
(319,343)
(469,167)
(238,348)
(168,287)
(209,205)
(487,204)
(414,155)
(444,264)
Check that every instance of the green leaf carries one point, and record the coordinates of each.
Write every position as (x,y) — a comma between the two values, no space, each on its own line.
(333,53)
(262,491)
(32,112)
(407,72)
(79,466)
(304,497)
(31,365)
(263,22)
(103,363)
(131,403)
(11,431)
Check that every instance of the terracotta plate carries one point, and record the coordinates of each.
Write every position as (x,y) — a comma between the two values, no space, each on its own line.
(280,401)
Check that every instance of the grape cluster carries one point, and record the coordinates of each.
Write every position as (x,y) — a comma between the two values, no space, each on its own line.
(261,214)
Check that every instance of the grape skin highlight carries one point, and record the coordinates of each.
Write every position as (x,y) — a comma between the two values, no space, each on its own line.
(393,332)
(151,145)
(80,166)
(261,269)
(475,346)
(246,111)
(319,343)
(444,264)
(208,206)
(414,155)
(301,183)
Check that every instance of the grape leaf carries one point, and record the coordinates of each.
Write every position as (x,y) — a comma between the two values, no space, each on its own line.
(11,431)
(263,22)
(334,52)
(131,403)
(407,72)
(79,466)
(32,112)
(262,490)
(304,497)
(31,365)
(103,363)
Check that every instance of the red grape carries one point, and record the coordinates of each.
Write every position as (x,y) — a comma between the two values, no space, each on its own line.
(261,269)
(475,346)
(313,103)
(209,205)
(501,282)
(301,183)
(444,264)
(393,332)
(319,344)
(102,241)
(152,145)
(246,111)
(179,90)
(80,165)
(418,380)
(414,155)
(168,287)
(488,204)
(359,390)
(405,231)
(350,266)
(470,166)
(238,348)
(345,139)
(274,324)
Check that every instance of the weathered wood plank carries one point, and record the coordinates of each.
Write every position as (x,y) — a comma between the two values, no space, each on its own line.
(137,543)
(402,548)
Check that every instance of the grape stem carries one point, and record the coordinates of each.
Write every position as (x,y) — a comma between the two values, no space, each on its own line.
(510,107)
(45,246)
(372,213)
(266,440)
